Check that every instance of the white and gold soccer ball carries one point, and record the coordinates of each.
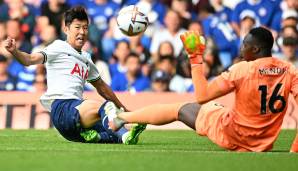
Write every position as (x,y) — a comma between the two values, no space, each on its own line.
(132,21)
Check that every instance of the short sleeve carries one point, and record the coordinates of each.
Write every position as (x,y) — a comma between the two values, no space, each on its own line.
(228,80)
(93,74)
(50,52)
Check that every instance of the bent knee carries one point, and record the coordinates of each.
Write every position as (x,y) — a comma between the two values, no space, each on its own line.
(188,114)
(189,109)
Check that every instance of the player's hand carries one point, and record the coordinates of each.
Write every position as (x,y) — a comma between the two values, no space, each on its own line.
(194,45)
(10,45)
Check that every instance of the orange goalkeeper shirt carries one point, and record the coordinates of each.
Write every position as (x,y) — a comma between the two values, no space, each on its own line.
(262,88)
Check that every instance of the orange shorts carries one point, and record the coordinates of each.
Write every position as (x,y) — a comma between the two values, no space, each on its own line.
(212,121)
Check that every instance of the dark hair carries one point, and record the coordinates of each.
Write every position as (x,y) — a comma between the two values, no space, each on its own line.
(3,58)
(78,12)
(159,75)
(15,20)
(132,55)
(170,58)
(291,27)
(207,9)
(118,42)
(263,37)
(174,11)
(165,42)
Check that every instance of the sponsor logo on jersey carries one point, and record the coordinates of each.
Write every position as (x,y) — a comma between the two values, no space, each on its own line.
(79,70)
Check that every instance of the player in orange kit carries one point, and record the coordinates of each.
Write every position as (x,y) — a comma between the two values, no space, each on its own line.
(262,85)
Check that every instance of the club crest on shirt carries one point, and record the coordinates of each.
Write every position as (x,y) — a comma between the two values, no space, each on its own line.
(272,71)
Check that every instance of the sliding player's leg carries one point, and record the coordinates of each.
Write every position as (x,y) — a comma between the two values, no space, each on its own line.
(76,120)
(205,119)
(66,119)
(294,147)
(159,114)
(98,112)
(76,126)
(95,113)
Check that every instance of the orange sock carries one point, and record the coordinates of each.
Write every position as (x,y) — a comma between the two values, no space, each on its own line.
(158,114)
(294,147)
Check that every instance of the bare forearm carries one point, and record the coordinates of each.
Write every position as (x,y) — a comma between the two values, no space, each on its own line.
(109,95)
(22,57)
(106,92)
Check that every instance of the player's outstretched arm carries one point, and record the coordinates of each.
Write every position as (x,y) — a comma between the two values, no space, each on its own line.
(194,45)
(106,92)
(23,57)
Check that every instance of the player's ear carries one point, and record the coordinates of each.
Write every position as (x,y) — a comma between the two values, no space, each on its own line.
(256,49)
(65,29)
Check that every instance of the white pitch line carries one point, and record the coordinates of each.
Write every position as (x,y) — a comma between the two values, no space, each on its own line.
(142,151)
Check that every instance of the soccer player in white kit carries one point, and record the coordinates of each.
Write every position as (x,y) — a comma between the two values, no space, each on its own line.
(68,68)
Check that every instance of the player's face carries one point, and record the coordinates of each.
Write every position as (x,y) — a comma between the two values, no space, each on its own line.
(246,50)
(159,86)
(77,33)
(132,65)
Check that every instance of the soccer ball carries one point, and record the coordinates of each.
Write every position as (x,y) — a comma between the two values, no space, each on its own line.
(131,21)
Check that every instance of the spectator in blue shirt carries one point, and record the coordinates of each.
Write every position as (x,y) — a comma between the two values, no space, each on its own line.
(264,10)
(13,29)
(221,33)
(222,12)
(132,80)
(21,11)
(75,2)
(7,82)
(100,12)
(117,62)
(282,12)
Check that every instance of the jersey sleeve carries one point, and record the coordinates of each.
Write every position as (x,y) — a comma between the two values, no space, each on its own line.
(227,80)
(294,83)
(50,52)
(93,74)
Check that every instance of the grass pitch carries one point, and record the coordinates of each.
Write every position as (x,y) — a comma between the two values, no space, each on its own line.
(33,150)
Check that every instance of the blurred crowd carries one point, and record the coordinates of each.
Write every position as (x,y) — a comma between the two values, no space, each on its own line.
(154,60)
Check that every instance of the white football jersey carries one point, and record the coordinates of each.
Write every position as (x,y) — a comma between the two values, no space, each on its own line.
(67,72)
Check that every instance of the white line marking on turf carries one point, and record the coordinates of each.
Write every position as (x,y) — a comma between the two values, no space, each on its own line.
(140,150)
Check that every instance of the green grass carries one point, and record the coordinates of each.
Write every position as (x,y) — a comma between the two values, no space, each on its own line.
(32,150)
